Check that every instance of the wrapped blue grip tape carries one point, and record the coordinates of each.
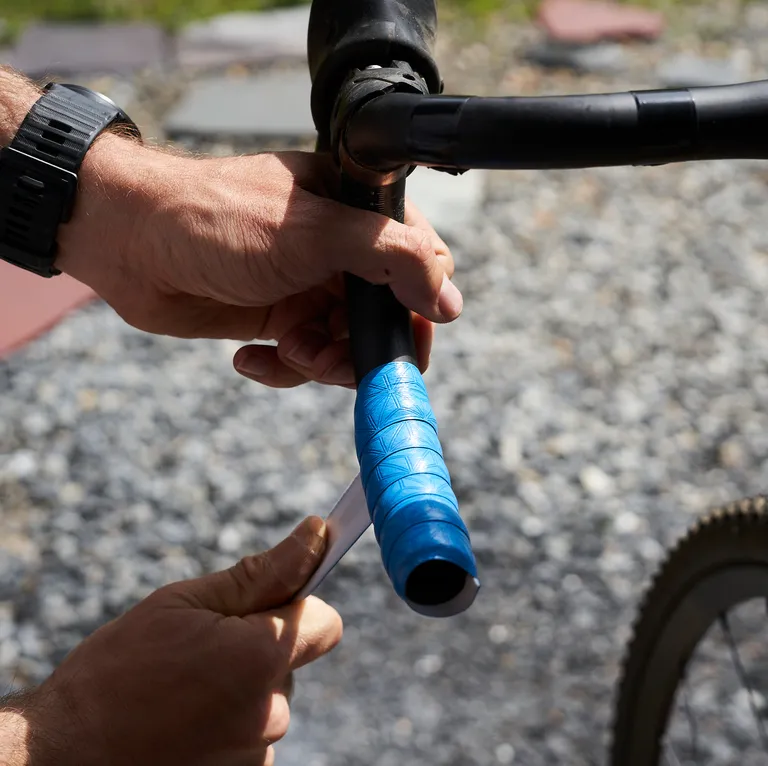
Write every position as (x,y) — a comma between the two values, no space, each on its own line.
(424,543)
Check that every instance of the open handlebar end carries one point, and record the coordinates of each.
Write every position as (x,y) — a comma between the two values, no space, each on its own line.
(425,545)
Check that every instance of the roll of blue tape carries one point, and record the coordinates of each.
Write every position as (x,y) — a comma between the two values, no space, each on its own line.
(425,544)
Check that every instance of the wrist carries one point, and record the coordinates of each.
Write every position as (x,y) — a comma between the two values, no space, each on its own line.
(14,736)
(107,210)
(118,184)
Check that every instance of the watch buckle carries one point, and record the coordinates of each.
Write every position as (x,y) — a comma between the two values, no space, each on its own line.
(35,197)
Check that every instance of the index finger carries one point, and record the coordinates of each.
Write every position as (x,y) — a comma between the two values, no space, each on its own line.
(412,260)
(298,634)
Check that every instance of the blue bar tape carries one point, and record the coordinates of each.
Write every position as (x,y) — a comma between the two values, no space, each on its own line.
(408,491)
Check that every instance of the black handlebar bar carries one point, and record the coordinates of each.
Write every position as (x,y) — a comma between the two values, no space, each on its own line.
(635,128)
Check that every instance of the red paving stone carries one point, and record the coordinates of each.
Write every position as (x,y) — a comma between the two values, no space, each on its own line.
(588,21)
(30,305)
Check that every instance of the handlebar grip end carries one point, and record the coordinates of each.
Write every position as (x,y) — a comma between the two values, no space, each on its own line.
(425,545)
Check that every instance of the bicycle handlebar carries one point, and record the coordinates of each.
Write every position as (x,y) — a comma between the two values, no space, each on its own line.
(383,125)
(424,543)
(634,128)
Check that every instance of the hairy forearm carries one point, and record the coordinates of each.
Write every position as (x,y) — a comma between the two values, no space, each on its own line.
(17,95)
(36,730)
(18,738)
(14,735)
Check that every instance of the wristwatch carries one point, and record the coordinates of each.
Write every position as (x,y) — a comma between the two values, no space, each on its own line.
(38,171)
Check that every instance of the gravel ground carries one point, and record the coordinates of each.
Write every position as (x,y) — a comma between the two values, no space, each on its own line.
(607,382)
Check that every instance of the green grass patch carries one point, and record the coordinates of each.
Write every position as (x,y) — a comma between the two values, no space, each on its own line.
(169,13)
(173,13)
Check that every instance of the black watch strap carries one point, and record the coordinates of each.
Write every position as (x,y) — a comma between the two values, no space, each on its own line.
(38,173)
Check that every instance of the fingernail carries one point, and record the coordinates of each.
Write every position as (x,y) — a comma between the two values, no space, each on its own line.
(306,350)
(450,303)
(311,534)
(253,366)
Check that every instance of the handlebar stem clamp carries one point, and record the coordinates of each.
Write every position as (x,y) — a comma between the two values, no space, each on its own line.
(361,87)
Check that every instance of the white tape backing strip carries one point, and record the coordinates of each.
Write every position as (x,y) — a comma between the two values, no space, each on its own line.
(346,524)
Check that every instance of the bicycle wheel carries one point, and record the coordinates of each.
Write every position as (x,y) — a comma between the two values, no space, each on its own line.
(717,569)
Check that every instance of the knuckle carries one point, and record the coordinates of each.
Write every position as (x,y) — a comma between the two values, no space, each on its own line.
(248,572)
(163,595)
(260,571)
(270,573)
(418,244)
(273,574)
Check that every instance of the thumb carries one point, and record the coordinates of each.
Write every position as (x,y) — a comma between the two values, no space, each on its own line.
(263,582)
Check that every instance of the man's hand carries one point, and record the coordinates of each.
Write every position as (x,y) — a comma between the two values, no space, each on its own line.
(198,674)
(247,248)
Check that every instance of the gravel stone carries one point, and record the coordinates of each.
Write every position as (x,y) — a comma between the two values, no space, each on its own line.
(596,481)
(230,539)
(428,665)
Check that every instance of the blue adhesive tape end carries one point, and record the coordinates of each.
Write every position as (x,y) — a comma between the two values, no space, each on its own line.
(424,543)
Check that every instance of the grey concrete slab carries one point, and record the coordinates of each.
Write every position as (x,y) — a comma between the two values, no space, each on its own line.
(245,38)
(687,70)
(449,202)
(608,58)
(273,105)
(57,49)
